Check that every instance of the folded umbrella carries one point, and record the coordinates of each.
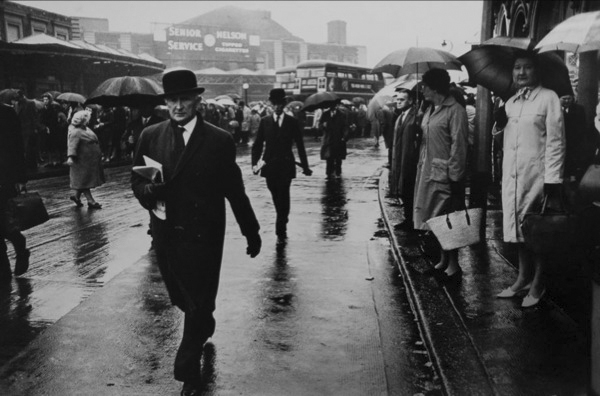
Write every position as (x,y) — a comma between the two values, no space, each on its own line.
(320,100)
(416,60)
(131,91)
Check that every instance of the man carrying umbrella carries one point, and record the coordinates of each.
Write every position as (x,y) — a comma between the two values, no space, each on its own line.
(278,132)
(198,173)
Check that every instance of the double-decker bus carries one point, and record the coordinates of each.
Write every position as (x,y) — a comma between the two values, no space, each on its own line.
(346,80)
(286,78)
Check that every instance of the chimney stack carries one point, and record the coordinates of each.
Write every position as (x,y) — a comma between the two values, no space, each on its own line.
(336,32)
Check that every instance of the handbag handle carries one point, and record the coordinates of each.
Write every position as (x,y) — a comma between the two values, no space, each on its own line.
(449,223)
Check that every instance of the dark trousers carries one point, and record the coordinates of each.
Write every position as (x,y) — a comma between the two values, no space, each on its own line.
(197,329)
(334,165)
(280,191)
(14,236)
(408,200)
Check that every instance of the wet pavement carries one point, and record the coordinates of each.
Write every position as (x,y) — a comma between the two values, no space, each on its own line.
(343,308)
(324,314)
(483,345)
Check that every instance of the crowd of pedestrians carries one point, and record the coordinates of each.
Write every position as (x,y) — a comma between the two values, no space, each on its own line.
(428,133)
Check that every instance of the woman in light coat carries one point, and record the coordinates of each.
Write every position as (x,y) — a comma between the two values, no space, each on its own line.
(534,152)
(441,170)
(85,160)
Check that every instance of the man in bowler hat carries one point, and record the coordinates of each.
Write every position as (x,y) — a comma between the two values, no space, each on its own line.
(199,172)
(277,133)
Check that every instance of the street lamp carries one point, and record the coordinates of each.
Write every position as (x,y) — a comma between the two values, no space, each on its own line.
(245,86)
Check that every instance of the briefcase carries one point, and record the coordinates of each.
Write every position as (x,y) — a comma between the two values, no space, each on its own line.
(25,211)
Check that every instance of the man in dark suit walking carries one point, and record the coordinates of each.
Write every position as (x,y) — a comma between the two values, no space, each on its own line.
(199,172)
(278,132)
(12,181)
(405,155)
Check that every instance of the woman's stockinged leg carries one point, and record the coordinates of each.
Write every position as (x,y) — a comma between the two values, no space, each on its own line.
(526,267)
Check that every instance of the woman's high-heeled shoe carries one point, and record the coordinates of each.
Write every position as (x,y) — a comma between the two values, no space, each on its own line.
(510,293)
(76,200)
(530,301)
(94,205)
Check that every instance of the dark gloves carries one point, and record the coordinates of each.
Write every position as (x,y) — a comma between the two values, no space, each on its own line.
(307,171)
(153,192)
(500,117)
(552,190)
(254,244)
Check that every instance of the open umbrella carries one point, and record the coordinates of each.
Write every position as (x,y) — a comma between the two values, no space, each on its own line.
(226,102)
(490,66)
(357,100)
(71,97)
(8,94)
(320,100)
(131,91)
(224,97)
(579,33)
(416,60)
(215,103)
(234,96)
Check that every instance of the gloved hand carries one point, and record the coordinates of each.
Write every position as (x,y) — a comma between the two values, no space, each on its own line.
(552,189)
(254,245)
(457,195)
(153,192)
(500,117)
(307,171)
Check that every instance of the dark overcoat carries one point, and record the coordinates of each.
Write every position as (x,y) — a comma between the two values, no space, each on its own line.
(405,154)
(278,141)
(12,157)
(335,134)
(189,243)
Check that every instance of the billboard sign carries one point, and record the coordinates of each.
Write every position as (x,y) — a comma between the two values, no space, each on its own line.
(211,40)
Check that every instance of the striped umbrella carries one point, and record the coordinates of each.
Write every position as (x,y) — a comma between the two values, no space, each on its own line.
(579,33)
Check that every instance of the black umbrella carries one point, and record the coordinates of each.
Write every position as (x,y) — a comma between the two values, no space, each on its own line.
(320,100)
(8,94)
(54,94)
(491,64)
(131,91)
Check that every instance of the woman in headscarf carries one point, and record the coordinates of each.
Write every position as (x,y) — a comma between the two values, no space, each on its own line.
(85,160)
(441,170)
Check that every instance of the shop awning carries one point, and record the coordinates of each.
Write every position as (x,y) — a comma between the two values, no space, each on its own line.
(49,45)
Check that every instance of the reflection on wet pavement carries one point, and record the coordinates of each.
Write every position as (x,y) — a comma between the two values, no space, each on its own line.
(335,214)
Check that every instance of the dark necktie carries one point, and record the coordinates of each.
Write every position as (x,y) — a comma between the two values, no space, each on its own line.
(277,120)
(179,142)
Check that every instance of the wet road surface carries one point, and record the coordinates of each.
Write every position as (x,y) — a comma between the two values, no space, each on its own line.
(324,314)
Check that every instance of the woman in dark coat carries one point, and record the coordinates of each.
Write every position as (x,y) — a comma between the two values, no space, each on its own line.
(335,134)
(85,160)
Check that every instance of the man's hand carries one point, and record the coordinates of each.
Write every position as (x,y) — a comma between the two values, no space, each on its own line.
(157,191)
(307,171)
(254,245)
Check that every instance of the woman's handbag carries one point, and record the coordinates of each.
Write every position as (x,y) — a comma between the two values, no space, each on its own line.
(589,186)
(549,231)
(457,229)
(25,211)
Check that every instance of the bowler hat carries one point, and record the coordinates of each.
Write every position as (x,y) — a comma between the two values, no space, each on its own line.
(180,81)
(277,96)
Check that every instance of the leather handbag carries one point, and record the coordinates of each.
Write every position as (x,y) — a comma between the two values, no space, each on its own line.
(550,231)
(589,186)
(25,211)
(457,229)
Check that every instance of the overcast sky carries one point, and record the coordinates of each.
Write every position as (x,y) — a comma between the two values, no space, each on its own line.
(381,26)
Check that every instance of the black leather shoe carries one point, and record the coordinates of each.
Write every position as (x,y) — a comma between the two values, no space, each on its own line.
(190,389)
(22,262)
